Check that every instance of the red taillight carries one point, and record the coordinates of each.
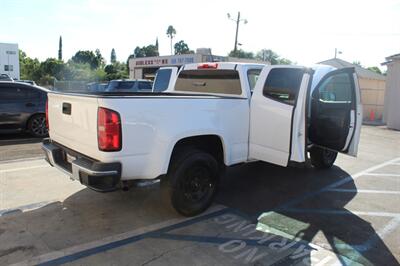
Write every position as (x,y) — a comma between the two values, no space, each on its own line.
(108,130)
(47,115)
(207,66)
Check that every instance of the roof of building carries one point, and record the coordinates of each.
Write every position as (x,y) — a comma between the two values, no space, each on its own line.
(391,58)
(361,72)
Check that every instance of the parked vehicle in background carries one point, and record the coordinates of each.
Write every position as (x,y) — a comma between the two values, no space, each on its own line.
(23,108)
(127,85)
(217,115)
(165,79)
(5,77)
(96,86)
(31,82)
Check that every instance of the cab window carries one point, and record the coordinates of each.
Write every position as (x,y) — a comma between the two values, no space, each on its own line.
(252,76)
(336,88)
(162,80)
(219,81)
(283,84)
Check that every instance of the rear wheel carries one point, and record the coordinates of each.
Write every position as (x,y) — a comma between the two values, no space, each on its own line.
(322,158)
(192,182)
(37,126)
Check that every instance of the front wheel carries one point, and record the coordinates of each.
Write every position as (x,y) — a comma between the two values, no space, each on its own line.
(193,179)
(37,126)
(322,158)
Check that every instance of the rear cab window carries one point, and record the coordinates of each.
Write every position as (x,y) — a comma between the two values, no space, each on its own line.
(216,81)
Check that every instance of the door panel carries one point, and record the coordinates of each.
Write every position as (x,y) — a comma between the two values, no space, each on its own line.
(333,108)
(272,111)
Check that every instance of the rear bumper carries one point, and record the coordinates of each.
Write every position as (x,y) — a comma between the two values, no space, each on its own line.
(102,177)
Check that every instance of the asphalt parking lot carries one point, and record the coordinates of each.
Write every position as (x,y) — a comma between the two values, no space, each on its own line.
(263,215)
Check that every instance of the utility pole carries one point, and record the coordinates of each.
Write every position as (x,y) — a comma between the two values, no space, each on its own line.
(60,49)
(337,52)
(237,21)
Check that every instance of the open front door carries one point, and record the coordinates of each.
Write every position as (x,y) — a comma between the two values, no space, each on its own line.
(336,112)
(277,115)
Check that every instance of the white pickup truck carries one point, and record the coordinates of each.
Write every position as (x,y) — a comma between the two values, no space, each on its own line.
(218,115)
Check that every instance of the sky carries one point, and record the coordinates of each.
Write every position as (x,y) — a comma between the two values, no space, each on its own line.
(305,32)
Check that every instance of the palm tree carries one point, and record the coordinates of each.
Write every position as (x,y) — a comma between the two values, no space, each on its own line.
(171,33)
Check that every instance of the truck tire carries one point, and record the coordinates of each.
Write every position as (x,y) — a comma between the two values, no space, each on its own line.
(192,182)
(322,158)
(37,126)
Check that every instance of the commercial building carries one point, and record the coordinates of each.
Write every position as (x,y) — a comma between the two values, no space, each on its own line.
(392,94)
(146,67)
(372,87)
(9,60)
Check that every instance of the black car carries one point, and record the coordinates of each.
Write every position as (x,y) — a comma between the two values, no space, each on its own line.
(23,108)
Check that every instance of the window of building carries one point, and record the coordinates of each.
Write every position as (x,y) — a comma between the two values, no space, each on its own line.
(8,68)
(209,81)
(283,84)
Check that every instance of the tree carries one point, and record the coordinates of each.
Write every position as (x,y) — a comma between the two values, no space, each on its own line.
(30,68)
(171,32)
(268,55)
(88,57)
(113,58)
(99,57)
(150,50)
(358,63)
(60,49)
(52,67)
(182,48)
(241,54)
(375,69)
(272,57)
(116,71)
(146,51)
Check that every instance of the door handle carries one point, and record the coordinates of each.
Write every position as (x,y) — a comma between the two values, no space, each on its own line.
(66,108)
(30,105)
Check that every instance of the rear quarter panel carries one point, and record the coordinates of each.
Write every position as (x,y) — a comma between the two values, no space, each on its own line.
(151,126)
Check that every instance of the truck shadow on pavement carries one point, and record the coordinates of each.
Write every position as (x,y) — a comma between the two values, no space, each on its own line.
(251,189)
(18,138)
(292,202)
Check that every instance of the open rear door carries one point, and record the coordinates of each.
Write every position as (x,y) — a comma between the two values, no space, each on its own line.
(165,79)
(336,112)
(278,115)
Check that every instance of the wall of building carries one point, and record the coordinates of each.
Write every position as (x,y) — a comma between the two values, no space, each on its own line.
(372,98)
(392,98)
(136,65)
(9,60)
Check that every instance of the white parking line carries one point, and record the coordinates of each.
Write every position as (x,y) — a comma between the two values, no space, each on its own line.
(25,208)
(392,225)
(342,212)
(38,158)
(74,249)
(22,168)
(364,191)
(382,174)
